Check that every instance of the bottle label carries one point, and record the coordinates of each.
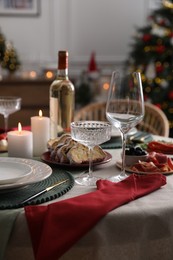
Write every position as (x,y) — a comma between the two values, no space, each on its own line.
(53,117)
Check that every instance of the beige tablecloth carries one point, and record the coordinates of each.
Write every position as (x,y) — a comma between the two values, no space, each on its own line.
(139,230)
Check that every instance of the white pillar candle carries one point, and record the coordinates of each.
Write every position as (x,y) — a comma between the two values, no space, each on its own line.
(20,143)
(40,127)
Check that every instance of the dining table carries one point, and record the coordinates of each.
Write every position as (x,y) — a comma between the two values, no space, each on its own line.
(139,230)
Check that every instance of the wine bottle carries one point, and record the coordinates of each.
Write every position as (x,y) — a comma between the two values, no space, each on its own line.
(62,99)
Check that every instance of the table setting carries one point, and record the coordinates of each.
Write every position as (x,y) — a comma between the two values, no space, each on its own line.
(59,196)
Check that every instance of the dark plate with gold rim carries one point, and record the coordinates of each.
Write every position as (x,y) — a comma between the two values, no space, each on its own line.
(47,159)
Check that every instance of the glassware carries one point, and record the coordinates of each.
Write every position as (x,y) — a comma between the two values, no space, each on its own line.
(90,134)
(9,105)
(124,108)
(61,99)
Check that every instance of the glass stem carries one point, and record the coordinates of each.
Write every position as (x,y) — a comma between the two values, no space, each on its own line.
(123,136)
(6,124)
(90,161)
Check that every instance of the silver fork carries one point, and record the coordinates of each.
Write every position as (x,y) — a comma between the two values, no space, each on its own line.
(139,138)
(137,135)
(142,139)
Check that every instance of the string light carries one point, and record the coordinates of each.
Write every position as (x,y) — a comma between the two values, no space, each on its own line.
(147,48)
(49,74)
(148,89)
(157,80)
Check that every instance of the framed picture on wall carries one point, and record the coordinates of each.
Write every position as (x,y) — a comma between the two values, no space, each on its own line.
(19,7)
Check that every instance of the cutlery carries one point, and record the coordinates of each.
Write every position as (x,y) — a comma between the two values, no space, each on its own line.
(135,136)
(142,139)
(139,138)
(43,191)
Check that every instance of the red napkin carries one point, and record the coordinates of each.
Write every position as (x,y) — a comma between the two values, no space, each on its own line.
(54,228)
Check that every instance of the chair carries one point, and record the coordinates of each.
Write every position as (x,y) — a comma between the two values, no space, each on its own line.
(154,122)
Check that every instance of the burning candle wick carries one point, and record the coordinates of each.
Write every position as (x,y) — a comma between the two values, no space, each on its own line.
(19,128)
(40,113)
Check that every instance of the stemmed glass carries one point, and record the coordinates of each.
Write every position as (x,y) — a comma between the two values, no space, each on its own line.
(9,105)
(90,134)
(124,108)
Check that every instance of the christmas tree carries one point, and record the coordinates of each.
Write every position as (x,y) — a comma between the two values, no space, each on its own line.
(152,55)
(8,56)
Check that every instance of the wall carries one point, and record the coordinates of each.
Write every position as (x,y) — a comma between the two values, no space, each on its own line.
(103,26)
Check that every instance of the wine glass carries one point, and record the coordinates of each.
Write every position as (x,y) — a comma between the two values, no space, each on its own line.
(9,105)
(124,108)
(90,134)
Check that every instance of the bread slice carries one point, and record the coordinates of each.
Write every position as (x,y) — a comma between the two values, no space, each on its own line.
(59,141)
(63,150)
(79,154)
(54,155)
(98,154)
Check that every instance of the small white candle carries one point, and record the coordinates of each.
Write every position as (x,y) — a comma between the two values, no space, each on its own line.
(20,143)
(40,127)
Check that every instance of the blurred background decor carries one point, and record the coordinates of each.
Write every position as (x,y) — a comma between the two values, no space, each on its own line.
(152,54)
(88,86)
(97,45)
(18,7)
(9,59)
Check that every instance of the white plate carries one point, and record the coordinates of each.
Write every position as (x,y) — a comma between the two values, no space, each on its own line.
(116,132)
(39,172)
(13,171)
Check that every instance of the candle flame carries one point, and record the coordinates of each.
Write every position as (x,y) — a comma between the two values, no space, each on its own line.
(40,113)
(19,128)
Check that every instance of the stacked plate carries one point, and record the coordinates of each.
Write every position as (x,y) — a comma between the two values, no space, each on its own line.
(18,172)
